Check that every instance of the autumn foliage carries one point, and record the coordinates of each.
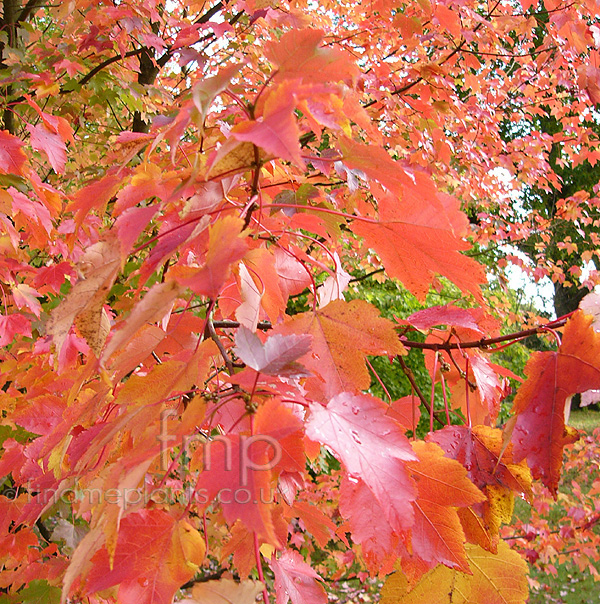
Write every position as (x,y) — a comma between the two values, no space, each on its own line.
(190,194)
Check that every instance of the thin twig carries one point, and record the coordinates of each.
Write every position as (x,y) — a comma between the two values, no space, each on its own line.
(215,338)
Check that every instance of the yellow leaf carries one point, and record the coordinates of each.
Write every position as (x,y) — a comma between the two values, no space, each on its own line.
(188,544)
(497,579)
(94,325)
(233,157)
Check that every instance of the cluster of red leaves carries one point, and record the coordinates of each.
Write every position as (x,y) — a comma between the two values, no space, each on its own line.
(152,425)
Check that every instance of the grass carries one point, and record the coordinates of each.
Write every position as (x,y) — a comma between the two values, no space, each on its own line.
(570,586)
(585,419)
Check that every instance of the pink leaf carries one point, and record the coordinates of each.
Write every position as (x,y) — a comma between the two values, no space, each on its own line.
(334,285)
(372,446)
(248,311)
(130,225)
(12,157)
(276,356)
(51,278)
(11,325)
(51,144)
(276,131)
(26,296)
(452,316)
(295,580)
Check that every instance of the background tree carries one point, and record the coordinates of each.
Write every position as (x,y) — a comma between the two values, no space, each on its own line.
(193,199)
(554,222)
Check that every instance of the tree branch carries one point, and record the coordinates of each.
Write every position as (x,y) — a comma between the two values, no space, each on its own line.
(227,324)
(28,9)
(86,78)
(485,342)
(205,18)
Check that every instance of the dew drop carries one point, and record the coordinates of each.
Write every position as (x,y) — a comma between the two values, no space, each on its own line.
(355,410)
(355,436)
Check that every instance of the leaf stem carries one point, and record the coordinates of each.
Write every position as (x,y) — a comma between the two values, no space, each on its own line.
(432,402)
(413,382)
(261,575)
(379,380)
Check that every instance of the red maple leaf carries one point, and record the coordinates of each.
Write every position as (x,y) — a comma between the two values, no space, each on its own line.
(295,580)
(12,158)
(372,447)
(538,430)
(340,366)
(155,555)
(415,241)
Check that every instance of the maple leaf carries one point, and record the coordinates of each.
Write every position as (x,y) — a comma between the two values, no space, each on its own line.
(496,579)
(239,473)
(263,262)
(334,285)
(155,556)
(442,485)
(538,430)
(276,356)
(453,316)
(50,143)
(226,246)
(174,375)
(297,55)
(11,325)
(12,158)
(32,209)
(99,267)
(293,277)
(234,156)
(490,466)
(485,389)
(343,334)
(240,469)
(416,242)
(283,431)
(295,580)
(130,224)
(50,278)
(248,312)
(94,325)
(152,307)
(206,90)
(317,523)
(483,453)
(275,130)
(405,411)
(95,195)
(372,447)
(70,533)
(367,521)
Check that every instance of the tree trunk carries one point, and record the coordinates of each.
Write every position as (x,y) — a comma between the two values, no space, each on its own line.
(148,72)
(567,298)
(10,14)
